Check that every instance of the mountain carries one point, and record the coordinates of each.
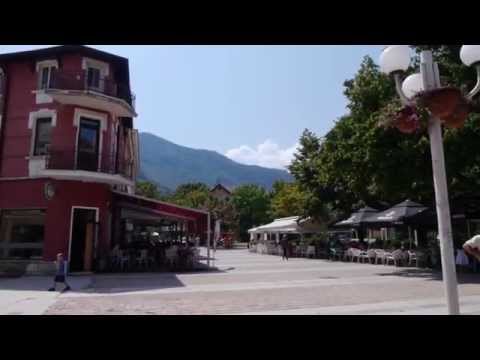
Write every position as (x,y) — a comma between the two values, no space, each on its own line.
(169,165)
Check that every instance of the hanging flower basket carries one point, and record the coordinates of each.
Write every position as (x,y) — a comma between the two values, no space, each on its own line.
(407,120)
(440,102)
(457,118)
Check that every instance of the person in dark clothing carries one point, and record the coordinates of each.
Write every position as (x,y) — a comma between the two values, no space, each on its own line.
(284,245)
(60,274)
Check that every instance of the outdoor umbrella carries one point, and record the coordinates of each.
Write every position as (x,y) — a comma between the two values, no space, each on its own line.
(358,218)
(396,215)
(400,214)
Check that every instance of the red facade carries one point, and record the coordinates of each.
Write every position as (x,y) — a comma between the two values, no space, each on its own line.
(21,100)
(82,87)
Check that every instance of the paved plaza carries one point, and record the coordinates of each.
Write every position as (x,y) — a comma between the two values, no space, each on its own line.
(247,283)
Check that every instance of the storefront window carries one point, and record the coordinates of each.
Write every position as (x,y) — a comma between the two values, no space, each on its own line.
(22,233)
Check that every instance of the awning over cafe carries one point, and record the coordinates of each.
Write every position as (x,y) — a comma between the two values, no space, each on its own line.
(288,225)
(145,209)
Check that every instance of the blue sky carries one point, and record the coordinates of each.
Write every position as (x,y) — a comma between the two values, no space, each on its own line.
(248,102)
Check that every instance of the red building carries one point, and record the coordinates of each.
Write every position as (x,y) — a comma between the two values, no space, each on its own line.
(69,159)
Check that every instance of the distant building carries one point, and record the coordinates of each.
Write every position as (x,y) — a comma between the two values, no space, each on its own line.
(221,192)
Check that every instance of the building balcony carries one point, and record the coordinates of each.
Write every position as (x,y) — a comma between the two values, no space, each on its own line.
(72,165)
(76,88)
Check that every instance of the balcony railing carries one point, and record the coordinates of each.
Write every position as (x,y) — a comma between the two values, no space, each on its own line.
(72,160)
(63,80)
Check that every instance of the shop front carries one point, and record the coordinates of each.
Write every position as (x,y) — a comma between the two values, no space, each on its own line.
(152,235)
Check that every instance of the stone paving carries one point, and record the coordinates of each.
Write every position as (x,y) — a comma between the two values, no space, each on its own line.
(247,283)
(28,296)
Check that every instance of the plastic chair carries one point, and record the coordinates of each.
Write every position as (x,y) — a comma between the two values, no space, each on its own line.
(369,256)
(355,254)
(380,256)
(310,251)
(412,258)
(347,255)
(397,257)
(171,256)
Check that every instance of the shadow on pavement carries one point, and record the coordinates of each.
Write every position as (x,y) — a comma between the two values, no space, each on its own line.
(105,282)
(120,283)
(42,283)
(115,283)
(463,278)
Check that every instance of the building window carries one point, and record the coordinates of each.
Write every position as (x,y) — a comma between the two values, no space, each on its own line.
(46,77)
(43,131)
(93,78)
(22,233)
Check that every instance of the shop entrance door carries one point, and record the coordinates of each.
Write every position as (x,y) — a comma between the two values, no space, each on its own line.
(83,239)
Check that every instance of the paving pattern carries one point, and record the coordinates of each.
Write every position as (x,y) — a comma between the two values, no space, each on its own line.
(247,283)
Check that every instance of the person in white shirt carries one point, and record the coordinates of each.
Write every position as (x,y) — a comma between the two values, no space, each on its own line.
(472,247)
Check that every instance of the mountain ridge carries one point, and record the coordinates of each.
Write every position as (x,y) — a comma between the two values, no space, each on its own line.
(168,165)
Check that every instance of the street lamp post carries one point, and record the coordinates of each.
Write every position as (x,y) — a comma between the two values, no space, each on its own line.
(394,60)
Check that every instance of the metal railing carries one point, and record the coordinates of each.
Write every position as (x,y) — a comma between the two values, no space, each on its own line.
(79,80)
(58,159)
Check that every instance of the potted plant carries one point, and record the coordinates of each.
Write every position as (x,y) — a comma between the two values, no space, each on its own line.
(440,102)
(457,118)
(407,119)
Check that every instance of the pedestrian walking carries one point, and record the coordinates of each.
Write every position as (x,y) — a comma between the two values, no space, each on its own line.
(60,273)
(284,245)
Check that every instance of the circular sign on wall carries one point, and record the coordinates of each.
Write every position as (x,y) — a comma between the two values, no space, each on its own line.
(49,190)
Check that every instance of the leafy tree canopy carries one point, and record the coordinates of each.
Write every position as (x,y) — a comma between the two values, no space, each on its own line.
(287,199)
(252,204)
(147,189)
(194,195)
(359,162)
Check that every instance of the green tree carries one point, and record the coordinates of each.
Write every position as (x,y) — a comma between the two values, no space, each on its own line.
(251,203)
(194,195)
(287,199)
(198,196)
(359,162)
(147,189)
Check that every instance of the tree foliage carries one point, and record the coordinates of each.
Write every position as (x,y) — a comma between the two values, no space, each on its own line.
(147,189)
(287,199)
(194,195)
(198,196)
(359,162)
(252,204)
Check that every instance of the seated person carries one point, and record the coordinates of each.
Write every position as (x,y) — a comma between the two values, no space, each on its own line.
(472,247)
